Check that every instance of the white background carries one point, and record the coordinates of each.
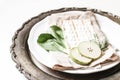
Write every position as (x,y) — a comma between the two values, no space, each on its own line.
(13,13)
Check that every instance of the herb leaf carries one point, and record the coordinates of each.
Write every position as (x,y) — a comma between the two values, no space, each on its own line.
(102,41)
(58,34)
(53,41)
(44,37)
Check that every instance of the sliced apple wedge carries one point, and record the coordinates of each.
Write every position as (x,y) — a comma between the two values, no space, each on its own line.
(78,58)
(89,49)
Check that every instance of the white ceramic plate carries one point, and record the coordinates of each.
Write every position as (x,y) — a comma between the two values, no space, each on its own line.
(110,28)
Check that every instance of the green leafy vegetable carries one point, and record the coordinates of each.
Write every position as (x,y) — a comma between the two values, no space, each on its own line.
(58,34)
(53,41)
(44,37)
(102,41)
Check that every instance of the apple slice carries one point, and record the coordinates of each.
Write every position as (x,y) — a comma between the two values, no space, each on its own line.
(89,49)
(78,58)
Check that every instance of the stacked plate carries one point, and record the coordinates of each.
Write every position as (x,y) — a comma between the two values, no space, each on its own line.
(33,59)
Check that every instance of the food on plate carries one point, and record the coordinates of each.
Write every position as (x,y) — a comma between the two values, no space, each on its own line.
(90,49)
(52,41)
(80,38)
(78,58)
